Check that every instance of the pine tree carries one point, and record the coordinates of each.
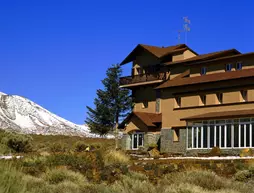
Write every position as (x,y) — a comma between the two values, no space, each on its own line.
(111,104)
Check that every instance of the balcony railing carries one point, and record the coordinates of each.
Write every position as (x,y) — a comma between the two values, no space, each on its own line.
(142,78)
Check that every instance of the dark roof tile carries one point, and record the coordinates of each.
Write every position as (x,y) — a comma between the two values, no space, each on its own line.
(208,78)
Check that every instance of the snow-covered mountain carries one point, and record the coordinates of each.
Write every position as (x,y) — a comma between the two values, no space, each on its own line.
(22,115)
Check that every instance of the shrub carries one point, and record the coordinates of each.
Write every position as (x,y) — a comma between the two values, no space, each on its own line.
(34,165)
(95,145)
(152,146)
(243,175)
(67,187)
(130,183)
(204,179)
(17,142)
(215,151)
(246,152)
(56,176)
(58,147)
(115,157)
(10,178)
(80,146)
(4,149)
(191,188)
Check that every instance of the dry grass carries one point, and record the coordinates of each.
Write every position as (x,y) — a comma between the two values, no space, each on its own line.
(116,157)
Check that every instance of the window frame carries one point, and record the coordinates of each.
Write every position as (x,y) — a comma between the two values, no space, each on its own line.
(225,135)
(203,99)
(176,132)
(244,96)
(231,66)
(220,97)
(205,70)
(144,104)
(178,101)
(238,64)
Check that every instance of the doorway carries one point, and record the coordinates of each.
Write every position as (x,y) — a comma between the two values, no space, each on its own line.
(137,140)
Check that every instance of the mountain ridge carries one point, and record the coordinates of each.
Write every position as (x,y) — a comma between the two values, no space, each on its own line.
(22,115)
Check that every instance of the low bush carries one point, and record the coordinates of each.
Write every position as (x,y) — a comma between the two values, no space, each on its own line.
(17,142)
(216,151)
(132,183)
(243,175)
(56,176)
(80,146)
(115,157)
(10,178)
(152,146)
(4,149)
(246,152)
(34,165)
(96,145)
(58,147)
(204,179)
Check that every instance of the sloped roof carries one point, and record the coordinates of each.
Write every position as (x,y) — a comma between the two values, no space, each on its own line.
(156,51)
(207,78)
(221,115)
(149,119)
(204,57)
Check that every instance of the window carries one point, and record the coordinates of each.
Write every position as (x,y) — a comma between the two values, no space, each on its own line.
(139,71)
(178,101)
(244,95)
(203,99)
(157,107)
(145,104)
(158,101)
(239,66)
(176,135)
(228,67)
(203,70)
(220,97)
(137,140)
(227,134)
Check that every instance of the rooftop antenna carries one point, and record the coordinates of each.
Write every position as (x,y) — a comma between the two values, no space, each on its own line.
(186,27)
(179,36)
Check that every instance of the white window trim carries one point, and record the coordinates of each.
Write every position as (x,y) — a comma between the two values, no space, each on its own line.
(194,138)
(132,141)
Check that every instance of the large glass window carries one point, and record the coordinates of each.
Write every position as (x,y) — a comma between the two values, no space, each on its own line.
(205,136)
(247,135)
(236,133)
(228,134)
(212,136)
(242,137)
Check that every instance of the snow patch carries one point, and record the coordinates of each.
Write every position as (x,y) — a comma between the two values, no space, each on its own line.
(21,114)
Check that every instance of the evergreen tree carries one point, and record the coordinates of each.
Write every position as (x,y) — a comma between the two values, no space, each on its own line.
(111,104)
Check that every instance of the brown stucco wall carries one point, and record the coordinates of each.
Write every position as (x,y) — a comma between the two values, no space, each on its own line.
(146,93)
(177,57)
(171,116)
(220,66)
(177,70)
(188,54)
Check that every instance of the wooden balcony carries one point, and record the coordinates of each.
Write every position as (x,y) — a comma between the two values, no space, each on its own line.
(143,78)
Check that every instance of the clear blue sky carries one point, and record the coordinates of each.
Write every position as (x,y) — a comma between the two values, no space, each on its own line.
(56,52)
